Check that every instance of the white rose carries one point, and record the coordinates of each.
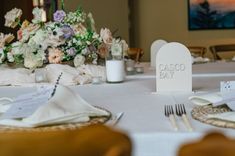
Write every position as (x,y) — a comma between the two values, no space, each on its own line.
(40,36)
(32,61)
(17,48)
(39,40)
(38,15)
(33,45)
(84,51)
(27,49)
(10,57)
(12,17)
(54,40)
(79,60)
(29,30)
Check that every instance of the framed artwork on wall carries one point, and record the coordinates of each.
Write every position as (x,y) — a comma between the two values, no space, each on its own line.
(211,14)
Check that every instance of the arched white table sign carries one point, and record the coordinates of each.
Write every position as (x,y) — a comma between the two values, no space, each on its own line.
(156,45)
(173,68)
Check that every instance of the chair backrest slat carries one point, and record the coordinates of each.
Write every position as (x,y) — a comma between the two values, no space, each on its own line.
(215,49)
(197,50)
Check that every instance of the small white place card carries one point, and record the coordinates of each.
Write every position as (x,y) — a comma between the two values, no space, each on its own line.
(227,89)
(227,86)
(173,68)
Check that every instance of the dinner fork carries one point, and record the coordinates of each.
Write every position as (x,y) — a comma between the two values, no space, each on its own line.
(181,111)
(169,112)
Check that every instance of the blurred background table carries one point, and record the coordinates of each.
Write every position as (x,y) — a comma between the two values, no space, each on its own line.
(210,69)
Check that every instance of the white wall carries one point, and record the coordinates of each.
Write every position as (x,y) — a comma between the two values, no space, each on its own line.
(168,19)
(112,14)
(152,19)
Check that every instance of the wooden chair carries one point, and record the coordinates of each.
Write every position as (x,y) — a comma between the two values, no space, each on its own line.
(135,54)
(197,50)
(213,144)
(215,49)
(96,140)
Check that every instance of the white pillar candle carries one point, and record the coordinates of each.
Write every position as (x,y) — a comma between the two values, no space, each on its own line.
(115,70)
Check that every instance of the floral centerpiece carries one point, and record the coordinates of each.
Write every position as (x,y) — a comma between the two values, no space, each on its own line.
(69,37)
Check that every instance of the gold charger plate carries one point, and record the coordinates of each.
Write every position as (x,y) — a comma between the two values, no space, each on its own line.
(200,113)
(60,127)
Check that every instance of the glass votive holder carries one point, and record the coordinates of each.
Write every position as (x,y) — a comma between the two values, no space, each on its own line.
(96,80)
(130,70)
(130,63)
(130,67)
(40,75)
(139,69)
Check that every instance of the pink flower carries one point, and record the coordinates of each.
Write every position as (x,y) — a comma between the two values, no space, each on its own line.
(106,35)
(103,50)
(55,55)
(26,31)
(79,29)
(19,34)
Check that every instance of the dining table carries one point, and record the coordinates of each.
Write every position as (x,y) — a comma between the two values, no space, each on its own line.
(143,108)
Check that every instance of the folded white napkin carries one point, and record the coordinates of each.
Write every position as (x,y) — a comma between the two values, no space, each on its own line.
(206,99)
(216,99)
(64,107)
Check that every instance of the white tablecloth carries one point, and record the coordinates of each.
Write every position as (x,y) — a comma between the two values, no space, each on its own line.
(144,118)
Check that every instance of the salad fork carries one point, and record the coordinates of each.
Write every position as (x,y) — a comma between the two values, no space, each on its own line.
(169,112)
(181,111)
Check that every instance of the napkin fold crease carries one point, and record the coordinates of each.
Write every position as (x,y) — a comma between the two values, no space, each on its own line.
(206,99)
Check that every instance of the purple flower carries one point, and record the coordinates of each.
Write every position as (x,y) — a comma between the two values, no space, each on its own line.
(68,31)
(71,51)
(92,48)
(59,15)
